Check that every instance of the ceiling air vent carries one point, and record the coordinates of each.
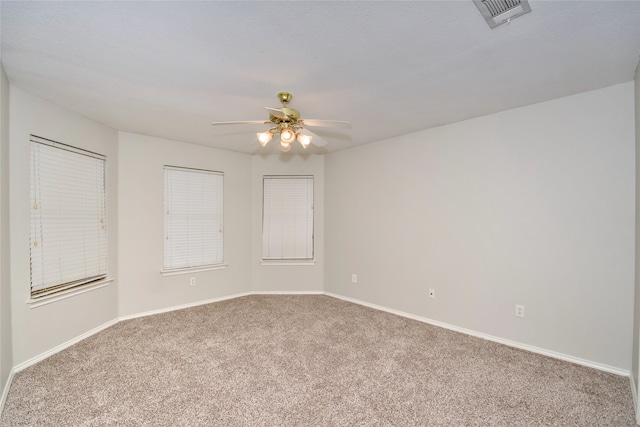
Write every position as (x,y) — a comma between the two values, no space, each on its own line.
(497,12)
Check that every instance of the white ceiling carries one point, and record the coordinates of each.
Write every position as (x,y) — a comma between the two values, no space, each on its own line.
(168,69)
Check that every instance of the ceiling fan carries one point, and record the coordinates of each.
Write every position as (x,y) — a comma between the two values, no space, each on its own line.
(287,122)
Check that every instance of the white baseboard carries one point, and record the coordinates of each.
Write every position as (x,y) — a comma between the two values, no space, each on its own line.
(49,353)
(182,306)
(62,346)
(81,337)
(5,392)
(634,395)
(510,343)
(487,337)
(287,293)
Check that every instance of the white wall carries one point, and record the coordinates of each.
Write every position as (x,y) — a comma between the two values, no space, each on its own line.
(36,330)
(5,292)
(141,221)
(287,278)
(531,206)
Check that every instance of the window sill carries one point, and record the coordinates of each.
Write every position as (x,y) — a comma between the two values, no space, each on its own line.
(288,262)
(178,271)
(33,303)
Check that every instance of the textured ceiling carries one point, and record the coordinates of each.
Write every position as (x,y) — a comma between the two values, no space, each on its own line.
(168,69)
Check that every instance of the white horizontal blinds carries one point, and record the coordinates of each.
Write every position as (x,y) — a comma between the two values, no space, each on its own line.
(287,229)
(68,229)
(193,218)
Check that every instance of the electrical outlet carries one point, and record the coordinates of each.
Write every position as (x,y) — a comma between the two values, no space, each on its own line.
(432,293)
(354,278)
(519,310)
(192,281)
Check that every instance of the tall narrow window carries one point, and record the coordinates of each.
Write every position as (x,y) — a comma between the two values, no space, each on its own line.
(68,229)
(287,220)
(193,218)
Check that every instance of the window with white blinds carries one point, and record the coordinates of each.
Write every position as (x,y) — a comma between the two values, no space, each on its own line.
(193,218)
(287,219)
(68,229)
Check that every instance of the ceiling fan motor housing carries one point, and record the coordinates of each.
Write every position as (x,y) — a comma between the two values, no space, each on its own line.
(288,124)
(285,98)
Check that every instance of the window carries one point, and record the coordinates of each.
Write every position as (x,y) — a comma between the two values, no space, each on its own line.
(68,229)
(287,220)
(193,218)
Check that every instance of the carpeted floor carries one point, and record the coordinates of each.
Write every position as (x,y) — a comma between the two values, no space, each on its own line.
(311,360)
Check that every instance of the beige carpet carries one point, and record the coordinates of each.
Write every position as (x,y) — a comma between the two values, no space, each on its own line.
(305,360)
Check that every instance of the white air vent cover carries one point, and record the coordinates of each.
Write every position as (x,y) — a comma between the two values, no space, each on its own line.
(498,12)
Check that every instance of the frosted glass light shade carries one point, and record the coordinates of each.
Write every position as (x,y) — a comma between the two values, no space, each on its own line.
(304,140)
(264,137)
(287,136)
(284,146)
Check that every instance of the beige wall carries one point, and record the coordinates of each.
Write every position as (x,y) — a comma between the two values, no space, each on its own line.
(37,330)
(287,278)
(141,197)
(531,206)
(6,346)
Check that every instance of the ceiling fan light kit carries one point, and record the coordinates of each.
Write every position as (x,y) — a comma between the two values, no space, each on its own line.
(287,135)
(304,140)
(285,146)
(288,124)
(264,137)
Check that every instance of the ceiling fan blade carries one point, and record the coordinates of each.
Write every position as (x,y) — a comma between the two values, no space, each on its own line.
(252,122)
(315,139)
(276,112)
(326,123)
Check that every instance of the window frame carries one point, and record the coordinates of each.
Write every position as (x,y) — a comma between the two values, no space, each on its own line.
(50,267)
(309,231)
(169,268)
